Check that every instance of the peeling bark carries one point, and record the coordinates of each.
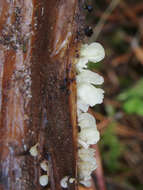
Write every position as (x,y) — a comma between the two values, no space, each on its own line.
(38,43)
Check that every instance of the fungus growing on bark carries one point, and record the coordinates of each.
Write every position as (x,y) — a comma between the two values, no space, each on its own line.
(45,87)
(89,95)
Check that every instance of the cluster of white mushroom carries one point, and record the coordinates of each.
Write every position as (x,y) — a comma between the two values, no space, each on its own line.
(43,179)
(88,95)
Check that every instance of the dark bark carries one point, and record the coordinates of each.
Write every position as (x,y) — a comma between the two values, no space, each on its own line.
(38,42)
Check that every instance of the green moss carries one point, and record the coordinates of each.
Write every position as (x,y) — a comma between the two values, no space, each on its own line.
(132,99)
(111,149)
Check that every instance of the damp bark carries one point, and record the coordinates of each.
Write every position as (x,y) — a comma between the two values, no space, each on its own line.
(38,44)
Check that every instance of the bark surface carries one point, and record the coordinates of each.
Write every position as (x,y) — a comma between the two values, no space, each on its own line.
(38,43)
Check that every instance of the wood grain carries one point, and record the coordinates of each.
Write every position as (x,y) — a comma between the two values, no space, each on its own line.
(38,44)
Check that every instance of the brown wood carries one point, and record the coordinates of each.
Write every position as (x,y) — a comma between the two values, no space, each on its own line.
(85,188)
(38,43)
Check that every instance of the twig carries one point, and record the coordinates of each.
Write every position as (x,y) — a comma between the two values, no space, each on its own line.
(126,131)
(138,51)
(99,171)
(103,19)
(103,120)
(127,10)
(124,58)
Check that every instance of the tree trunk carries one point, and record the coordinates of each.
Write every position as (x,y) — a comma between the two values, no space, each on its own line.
(38,43)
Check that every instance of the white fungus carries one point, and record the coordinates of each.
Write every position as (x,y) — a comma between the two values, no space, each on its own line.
(88,76)
(85,169)
(89,135)
(81,64)
(71,180)
(64,182)
(43,180)
(87,155)
(81,106)
(86,183)
(86,120)
(44,166)
(87,95)
(82,143)
(93,52)
(33,150)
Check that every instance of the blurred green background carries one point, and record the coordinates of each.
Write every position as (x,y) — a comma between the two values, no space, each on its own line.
(118,26)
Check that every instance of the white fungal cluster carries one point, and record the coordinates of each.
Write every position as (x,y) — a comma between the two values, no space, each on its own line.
(44,166)
(64,182)
(43,180)
(33,150)
(88,95)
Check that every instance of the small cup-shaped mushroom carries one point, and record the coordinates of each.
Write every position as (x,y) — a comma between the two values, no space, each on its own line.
(85,169)
(93,52)
(89,135)
(87,155)
(34,151)
(86,120)
(89,94)
(43,180)
(88,76)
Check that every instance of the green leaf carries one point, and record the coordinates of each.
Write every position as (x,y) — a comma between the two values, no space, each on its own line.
(140,109)
(92,66)
(133,99)
(134,105)
(136,91)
